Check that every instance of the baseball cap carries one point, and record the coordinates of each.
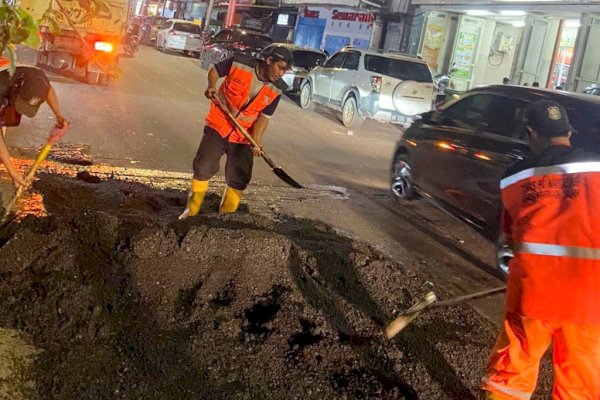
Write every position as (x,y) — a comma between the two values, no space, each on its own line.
(548,118)
(32,89)
(278,53)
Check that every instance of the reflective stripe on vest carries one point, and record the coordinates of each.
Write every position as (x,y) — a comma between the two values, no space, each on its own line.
(506,390)
(542,249)
(573,168)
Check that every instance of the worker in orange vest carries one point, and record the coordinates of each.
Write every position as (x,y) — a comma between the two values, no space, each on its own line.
(551,219)
(251,90)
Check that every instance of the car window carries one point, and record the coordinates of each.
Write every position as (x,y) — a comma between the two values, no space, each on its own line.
(585,119)
(468,112)
(502,116)
(399,69)
(352,61)
(336,60)
(307,59)
(256,41)
(166,25)
(187,28)
(223,36)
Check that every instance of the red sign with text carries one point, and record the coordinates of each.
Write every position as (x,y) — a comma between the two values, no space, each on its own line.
(311,13)
(352,16)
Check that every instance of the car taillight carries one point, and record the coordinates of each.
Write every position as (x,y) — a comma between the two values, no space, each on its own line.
(172,32)
(105,47)
(376,83)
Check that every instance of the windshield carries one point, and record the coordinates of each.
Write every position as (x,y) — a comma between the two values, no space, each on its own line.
(187,28)
(307,59)
(399,69)
(256,41)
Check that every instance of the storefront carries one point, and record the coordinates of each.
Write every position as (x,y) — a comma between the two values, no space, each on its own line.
(331,28)
(525,41)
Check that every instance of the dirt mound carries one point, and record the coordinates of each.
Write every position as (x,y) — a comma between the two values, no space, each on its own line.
(127,303)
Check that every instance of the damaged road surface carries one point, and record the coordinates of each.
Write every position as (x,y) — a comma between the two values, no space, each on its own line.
(115,299)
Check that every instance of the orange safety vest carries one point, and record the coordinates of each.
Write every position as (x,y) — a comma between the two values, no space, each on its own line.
(553,224)
(236,91)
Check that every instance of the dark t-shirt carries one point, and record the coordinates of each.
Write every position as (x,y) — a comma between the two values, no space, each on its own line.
(223,69)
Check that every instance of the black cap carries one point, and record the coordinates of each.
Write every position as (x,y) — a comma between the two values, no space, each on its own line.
(32,89)
(548,118)
(278,53)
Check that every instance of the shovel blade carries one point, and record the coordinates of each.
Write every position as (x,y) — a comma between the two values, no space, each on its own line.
(286,178)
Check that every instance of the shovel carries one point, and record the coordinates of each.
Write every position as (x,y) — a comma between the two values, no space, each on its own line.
(428,302)
(277,170)
(55,134)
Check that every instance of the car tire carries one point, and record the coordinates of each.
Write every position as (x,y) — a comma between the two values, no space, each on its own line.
(401,183)
(503,255)
(350,115)
(305,97)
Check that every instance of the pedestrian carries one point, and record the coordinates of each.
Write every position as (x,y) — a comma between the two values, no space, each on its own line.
(535,84)
(505,81)
(550,219)
(251,90)
(22,94)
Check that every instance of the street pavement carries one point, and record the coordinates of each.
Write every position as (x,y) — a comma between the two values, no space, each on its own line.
(151,118)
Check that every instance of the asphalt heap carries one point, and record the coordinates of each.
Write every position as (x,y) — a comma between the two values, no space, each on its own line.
(121,300)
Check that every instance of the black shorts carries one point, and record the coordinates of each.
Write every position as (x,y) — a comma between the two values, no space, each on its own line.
(238,166)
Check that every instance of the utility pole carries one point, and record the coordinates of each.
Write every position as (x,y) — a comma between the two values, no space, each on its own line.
(206,19)
(230,13)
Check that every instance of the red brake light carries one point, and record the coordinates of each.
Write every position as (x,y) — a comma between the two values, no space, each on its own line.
(105,47)
(376,83)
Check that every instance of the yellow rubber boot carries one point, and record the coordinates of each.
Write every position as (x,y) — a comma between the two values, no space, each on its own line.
(230,201)
(195,199)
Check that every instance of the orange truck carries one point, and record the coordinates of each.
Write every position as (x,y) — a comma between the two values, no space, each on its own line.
(90,34)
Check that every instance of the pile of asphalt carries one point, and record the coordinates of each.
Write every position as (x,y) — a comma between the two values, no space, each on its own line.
(121,300)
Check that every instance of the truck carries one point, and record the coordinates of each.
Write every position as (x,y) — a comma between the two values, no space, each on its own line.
(88,36)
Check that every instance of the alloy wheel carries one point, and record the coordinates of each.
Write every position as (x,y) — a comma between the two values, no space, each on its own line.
(504,254)
(401,185)
(305,96)
(349,112)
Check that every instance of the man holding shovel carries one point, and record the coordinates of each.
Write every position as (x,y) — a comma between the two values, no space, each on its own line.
(550,217)
(23,93)
(250,91)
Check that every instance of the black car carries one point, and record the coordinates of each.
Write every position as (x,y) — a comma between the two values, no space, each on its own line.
(457,155)
(232,41)
(305,59)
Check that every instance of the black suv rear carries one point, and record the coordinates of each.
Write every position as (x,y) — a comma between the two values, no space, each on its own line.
(232,41)
(458,154)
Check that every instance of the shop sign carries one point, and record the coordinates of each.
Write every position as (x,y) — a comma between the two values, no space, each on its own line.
(352,16)
(311,13)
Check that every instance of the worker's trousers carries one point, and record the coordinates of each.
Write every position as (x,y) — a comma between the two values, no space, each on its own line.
(513,367)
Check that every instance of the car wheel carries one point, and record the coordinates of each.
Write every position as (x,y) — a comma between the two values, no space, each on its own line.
(350,115)
(305,96)
(504,254)
(401,183)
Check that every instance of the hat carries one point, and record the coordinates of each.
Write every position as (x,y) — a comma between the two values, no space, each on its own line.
(32,87)
(548,118)
(278,53)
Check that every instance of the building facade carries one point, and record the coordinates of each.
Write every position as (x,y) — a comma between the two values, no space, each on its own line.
(482,42)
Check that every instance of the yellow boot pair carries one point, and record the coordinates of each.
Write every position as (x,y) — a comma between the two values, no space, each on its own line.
(229,202)
(195,199)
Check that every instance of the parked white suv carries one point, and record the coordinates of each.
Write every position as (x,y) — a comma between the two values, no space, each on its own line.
(373,84)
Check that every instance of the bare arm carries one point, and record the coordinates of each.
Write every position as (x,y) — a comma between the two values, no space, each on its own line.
(211,88)
(5,159)
(55,106)
(258,130)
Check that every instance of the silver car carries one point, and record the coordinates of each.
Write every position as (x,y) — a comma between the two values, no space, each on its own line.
(361,83)
(179,35)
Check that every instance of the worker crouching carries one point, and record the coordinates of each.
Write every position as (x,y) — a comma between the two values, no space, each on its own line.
(251,92)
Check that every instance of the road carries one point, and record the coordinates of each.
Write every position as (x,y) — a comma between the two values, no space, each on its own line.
(151,118)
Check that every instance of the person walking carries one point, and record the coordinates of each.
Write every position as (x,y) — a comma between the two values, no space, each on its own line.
(251,91)
(22,94)
(550,213)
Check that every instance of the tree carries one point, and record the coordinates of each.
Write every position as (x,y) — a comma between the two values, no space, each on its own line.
(16,27)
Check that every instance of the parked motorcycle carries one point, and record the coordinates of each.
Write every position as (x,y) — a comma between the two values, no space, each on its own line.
(131,45)
(443,84)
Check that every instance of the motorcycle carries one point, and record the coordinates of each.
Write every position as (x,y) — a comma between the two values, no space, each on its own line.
(131,45)
(444,85)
